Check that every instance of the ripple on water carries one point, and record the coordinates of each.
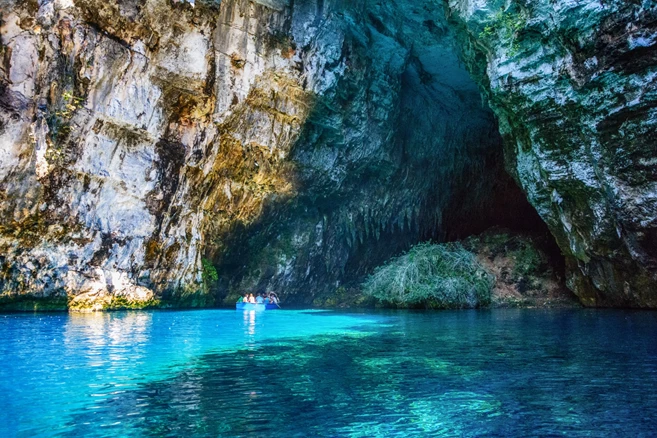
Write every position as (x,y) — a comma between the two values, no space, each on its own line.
(217,373)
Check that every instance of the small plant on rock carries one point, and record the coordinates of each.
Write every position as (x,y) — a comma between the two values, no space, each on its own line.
(59,121)
(505,27)
(210,274)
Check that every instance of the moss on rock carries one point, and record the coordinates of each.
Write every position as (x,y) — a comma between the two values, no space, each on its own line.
(29,303)
(525,276)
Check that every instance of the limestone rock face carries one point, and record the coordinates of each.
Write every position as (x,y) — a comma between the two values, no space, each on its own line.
(399,150)
(143,141)
(574,85)
(129,130)
(179,151)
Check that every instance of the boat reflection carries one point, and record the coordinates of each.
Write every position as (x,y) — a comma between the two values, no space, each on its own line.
(250,322)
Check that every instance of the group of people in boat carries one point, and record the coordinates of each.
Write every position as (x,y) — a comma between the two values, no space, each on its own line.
(262,298)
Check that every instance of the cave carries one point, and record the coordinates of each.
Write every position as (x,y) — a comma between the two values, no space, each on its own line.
(316,141)
(328,218)
(431,169)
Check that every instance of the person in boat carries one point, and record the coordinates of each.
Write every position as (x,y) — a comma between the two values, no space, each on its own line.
(265,298)
(273,298)
(252,299)
(259,299)
(240,300)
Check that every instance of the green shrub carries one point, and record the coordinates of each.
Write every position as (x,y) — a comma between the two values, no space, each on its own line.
(430,275)
(505,27)
(210,274)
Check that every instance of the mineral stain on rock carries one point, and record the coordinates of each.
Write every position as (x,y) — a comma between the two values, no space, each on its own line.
(296,146)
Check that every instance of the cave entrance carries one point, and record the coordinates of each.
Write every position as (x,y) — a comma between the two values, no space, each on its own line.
(401,150)
(448,140)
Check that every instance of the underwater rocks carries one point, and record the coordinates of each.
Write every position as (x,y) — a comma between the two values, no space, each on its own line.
(574,86)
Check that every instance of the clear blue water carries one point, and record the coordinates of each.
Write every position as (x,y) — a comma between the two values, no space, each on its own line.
(304,373)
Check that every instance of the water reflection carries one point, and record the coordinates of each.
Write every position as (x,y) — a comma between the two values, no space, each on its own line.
(250,322)
(107,337)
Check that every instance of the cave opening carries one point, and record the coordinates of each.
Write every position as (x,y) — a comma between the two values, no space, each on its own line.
(448,138)
(403,150)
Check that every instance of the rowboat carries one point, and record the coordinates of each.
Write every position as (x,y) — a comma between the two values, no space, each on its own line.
(257,307)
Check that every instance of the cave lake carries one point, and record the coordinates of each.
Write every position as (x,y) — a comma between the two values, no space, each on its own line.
(325,373)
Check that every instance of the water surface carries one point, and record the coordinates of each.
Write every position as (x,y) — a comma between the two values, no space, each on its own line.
(305,373)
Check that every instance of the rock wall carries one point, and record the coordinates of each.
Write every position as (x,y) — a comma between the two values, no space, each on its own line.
(131,130)
(285,143)
(574,85)
(176,151)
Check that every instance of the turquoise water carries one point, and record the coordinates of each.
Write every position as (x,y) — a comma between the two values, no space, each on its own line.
(309,373)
